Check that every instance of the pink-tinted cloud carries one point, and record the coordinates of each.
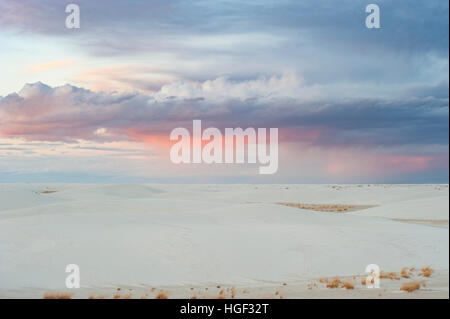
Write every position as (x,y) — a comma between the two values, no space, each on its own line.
(124,78)
(40,112)
(354,140)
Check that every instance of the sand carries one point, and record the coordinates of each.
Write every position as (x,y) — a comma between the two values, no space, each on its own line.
(189,239)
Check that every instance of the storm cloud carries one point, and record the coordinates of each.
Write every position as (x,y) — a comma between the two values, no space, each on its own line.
(67,113)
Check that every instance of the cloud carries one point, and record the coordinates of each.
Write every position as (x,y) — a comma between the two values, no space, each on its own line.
(367,100)
(42,67)
(410,25)
(125,78)
(288,85)
(67,113)
(182,45)
(322,40)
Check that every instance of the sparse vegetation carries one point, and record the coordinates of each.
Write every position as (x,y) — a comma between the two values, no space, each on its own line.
(233,292)
(410,286)
(405,273)
(331,208)
(348,284)
(46,192)
(389,275)
(426,272)
(335,283)
(57,295)
(162,295)
(338,283)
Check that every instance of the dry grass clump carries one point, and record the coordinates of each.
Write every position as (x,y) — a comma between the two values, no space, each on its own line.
(332,208)
(335,283)
(406,272)
(223,294)
(57,295)
(364,281)
(48,192)
(410,286)
(348,285)
(426,272)
(228,293)
(162,295)
(389,275)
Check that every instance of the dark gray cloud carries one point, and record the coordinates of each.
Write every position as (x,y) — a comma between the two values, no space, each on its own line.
(412,25)
(326,41)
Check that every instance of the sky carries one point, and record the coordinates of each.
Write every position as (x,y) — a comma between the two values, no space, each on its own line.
(98,103)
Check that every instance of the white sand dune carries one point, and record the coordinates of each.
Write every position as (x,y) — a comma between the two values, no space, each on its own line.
(433,208)
(181,235)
